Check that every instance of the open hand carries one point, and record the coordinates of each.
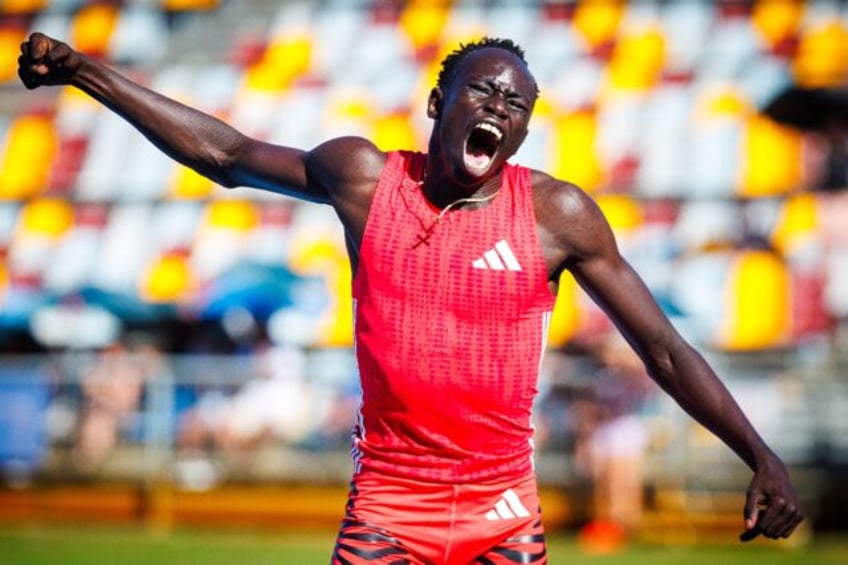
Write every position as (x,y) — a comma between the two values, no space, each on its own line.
(46,61)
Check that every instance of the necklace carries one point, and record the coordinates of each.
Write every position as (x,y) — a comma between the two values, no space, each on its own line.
(425,238)
(469,200)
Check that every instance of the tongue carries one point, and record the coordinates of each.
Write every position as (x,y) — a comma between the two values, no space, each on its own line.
(477,162)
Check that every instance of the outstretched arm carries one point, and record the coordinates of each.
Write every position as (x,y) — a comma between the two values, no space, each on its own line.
(578,230)
(193,138)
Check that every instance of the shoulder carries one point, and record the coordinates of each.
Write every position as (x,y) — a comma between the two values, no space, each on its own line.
(557,201)
(570,223)
(346,158)
(348,168)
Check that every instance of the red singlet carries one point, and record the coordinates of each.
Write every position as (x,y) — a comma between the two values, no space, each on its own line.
(451,323)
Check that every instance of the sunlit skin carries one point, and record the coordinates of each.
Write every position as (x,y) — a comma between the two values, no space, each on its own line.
(492,85)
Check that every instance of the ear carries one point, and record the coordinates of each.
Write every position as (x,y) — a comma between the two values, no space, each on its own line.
(434,103)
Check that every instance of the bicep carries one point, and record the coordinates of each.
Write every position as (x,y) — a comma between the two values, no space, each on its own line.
(341,171)
(617,288)
(276,168)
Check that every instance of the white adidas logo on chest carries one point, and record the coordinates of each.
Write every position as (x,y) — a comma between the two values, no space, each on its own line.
(499,258)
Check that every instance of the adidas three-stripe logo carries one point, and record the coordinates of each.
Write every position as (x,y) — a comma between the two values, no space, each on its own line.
(499,258)
(509,506)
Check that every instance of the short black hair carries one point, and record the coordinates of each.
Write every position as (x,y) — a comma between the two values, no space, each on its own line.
(451,62)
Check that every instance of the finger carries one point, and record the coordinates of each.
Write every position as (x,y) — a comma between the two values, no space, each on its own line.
(789,520)
(770,521)
(750,534)
(787,530)
(27,79)
(58,54)
(780,518)
(24,72)
(795,523)
(40,45)
(753,503)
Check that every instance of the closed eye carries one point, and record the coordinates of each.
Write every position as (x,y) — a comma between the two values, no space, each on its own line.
(480,88)
(517,104)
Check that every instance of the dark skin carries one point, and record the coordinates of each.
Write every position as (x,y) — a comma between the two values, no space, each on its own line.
(493,86)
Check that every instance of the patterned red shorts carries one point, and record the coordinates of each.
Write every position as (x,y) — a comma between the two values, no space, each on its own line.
(404,522)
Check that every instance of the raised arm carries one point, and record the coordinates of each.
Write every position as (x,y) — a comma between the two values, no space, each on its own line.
(191,137)
(578,238)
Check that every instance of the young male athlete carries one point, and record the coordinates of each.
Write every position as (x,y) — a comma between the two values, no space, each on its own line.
(456,255)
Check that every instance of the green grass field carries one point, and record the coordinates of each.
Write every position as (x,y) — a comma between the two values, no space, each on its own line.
(34,545)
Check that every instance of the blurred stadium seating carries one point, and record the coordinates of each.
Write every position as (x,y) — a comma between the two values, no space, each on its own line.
(654,107)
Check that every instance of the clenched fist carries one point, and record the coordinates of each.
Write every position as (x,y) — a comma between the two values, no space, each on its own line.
(46,61)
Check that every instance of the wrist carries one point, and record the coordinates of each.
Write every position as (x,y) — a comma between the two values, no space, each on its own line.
(84,73)
(764,459)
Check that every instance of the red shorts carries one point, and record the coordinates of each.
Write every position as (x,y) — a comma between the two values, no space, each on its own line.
(397,521)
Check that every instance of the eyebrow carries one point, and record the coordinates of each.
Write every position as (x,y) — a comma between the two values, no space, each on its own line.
(503,88)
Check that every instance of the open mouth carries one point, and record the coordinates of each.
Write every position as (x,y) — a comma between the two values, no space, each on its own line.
(481,146)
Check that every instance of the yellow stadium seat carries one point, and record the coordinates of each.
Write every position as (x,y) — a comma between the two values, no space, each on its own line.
(349,111)
(771,158)
(92,27)
(236,215)
(573,153)
(10,47)
(31,145)
(50,218)
(335,328)
(822,59)
(758,303)
(423,22)
(189,184)
(319,254)
(623,213)
(777,20)
(21,7)
(285,60)
(598,22)
(167,279)
(566,317)
(637,61)
(186,5)
(798,223)
(725,102)
(395,131)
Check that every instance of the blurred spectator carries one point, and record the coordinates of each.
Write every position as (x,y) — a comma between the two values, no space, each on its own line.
(822,113)
(612,441)
(112,389)
(272,405)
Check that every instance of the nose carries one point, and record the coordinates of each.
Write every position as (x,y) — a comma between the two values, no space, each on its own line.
(497,105)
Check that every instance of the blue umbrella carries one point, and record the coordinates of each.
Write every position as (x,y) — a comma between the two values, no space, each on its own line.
(259,289)
(126,307)
(17,306)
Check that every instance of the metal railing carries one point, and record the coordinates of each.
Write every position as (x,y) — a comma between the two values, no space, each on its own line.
(286,415)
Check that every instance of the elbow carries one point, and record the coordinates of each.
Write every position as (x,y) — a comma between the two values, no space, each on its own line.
(220,166)
(663,362)
(225,181)
(675,368)
(660,366)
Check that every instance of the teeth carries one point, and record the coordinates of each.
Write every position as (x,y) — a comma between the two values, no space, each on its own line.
(492,129)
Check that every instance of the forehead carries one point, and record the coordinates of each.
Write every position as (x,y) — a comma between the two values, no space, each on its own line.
(499,65)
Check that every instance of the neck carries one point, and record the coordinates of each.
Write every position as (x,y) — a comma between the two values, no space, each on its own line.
(442,192)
